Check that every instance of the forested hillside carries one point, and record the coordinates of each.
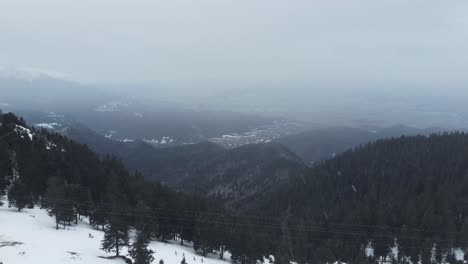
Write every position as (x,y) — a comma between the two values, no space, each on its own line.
(408,193)
(405,194)
(323,143)
(395,200)
(70,181)
(237,176)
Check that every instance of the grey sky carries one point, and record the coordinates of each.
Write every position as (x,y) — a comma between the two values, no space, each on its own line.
(113,40)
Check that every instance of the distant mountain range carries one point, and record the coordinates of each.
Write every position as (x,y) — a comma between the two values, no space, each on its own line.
(235,174)
(48,101)
(406,193)
(320,144)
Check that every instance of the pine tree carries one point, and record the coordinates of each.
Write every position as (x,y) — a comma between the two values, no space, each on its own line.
(5,168)
(116,231)
(55,198)
(139,249)
(142,218)
(115,236)
(18,196)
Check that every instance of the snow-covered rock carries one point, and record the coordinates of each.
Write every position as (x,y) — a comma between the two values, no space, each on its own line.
(22,131)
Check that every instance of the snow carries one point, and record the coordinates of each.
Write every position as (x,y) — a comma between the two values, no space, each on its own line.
(47,125)
(162,141)
(369,251)
(459,254)
(113,106)
(22,131)
(30,237)
(263,134)
(50,145)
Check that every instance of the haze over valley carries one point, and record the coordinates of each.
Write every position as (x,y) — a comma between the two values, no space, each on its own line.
(243,132)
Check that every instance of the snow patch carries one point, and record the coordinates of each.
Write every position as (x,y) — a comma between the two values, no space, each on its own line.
(113,106)
(22,131)
(163,140)
(47,125)
(30,237)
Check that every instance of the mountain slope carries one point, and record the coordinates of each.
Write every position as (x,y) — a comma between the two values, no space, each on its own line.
(46,99)
(233,175)
(237,176)
(71,182)
(320,144)
(413,190)
(23,233)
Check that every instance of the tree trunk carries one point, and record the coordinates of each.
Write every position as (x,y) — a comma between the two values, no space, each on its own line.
(117,246)
(221,253)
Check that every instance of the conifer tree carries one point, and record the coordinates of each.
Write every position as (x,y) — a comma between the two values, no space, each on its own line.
(139,249)
(115,235)
(5,168)
(55,197)
(116,230)
(18,195)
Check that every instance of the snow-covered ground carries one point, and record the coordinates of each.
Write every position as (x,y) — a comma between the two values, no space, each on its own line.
(263,134)
(30,237)
(50,126)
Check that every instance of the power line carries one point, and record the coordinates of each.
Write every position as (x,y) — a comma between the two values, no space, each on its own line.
(272,227)
(197,216)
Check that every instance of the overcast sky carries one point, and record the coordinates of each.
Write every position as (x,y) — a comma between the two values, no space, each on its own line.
(113,40)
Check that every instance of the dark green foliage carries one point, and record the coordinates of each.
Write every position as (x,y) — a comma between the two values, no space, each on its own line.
(320,144)
(71,181)
(5,167)
(410,192)
(139,249)
(115,236)
(18,196)
(117,228)
(205,167)
(204,237)
(414,189)
(60,201)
